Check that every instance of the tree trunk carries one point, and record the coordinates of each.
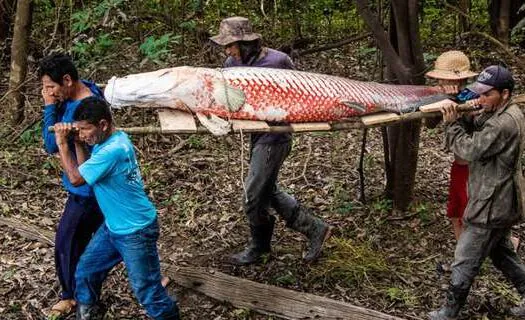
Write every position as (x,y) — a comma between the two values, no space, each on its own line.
(404,59)
(503,17)
(19,60)
(6,11)
(463,22)
(503,32)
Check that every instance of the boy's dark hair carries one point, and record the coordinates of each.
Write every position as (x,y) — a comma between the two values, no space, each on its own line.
(92,110)
(56,66)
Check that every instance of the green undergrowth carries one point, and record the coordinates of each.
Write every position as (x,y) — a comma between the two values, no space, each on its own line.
(401,295)
(350,263)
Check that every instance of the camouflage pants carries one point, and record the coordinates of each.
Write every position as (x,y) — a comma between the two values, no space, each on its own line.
(262,191)
(474,246)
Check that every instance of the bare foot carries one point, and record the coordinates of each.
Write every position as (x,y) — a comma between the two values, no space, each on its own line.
(62,308)
(515,242)
(165,281)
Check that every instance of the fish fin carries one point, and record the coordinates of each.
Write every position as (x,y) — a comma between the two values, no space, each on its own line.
(355,106)
(231,97)
(214,124)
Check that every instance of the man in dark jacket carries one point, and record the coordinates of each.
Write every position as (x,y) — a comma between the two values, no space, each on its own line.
(492,144)
(268,152)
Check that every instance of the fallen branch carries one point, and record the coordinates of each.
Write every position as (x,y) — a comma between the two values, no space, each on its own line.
(29,231)
(266,299)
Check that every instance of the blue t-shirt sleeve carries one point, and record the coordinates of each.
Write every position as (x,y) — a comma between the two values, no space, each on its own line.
(50,118)
(99,165)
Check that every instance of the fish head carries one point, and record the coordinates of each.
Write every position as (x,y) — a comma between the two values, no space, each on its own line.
(172,87)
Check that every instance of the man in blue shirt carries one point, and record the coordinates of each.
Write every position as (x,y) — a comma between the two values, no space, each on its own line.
(62,92)
(130,231)
(268,152)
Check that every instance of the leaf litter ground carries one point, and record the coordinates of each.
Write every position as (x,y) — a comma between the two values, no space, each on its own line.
(377,258)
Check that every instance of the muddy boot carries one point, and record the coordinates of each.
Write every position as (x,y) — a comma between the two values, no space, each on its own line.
(89,312)
(315,229)
(258,247)
(455,300)
(519,310)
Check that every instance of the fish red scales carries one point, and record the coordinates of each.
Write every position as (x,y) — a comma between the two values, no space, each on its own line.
(261,93)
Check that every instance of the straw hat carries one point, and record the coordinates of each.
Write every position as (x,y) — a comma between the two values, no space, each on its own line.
(451,65)
(235,29)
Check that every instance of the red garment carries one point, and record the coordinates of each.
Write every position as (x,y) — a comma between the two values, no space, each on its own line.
(457,190)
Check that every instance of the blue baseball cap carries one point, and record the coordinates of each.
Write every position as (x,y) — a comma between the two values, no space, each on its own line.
(493,77)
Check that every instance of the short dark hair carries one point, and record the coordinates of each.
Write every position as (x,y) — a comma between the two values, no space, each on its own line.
(92,110)
(56,66)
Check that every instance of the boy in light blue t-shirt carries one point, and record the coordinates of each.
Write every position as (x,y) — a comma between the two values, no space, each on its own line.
(130,231)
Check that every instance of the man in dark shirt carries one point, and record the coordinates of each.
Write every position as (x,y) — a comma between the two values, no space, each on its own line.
(268,152)
(492,144)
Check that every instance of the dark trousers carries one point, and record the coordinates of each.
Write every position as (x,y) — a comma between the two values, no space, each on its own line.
(474,246)
(262,191)
(81,218)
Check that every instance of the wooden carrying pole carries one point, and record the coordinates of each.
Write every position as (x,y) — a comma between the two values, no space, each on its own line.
(383,119)
(380,119)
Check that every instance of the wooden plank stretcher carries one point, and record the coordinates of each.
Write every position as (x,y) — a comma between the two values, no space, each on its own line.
(179,122)
(367,121)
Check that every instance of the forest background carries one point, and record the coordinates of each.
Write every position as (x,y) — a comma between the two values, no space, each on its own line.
(389,235)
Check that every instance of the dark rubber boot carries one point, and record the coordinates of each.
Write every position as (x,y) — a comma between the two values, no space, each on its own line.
(259,245)
(519,310)
(455,300)
(316,230)
(89,312)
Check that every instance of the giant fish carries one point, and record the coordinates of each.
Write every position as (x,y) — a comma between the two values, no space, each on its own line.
(275,95)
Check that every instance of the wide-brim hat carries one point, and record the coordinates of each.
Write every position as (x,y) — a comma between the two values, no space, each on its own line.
(451,65)
(235,29)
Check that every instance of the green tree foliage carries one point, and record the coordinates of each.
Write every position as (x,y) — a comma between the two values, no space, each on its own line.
(156,49)
(162,29)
